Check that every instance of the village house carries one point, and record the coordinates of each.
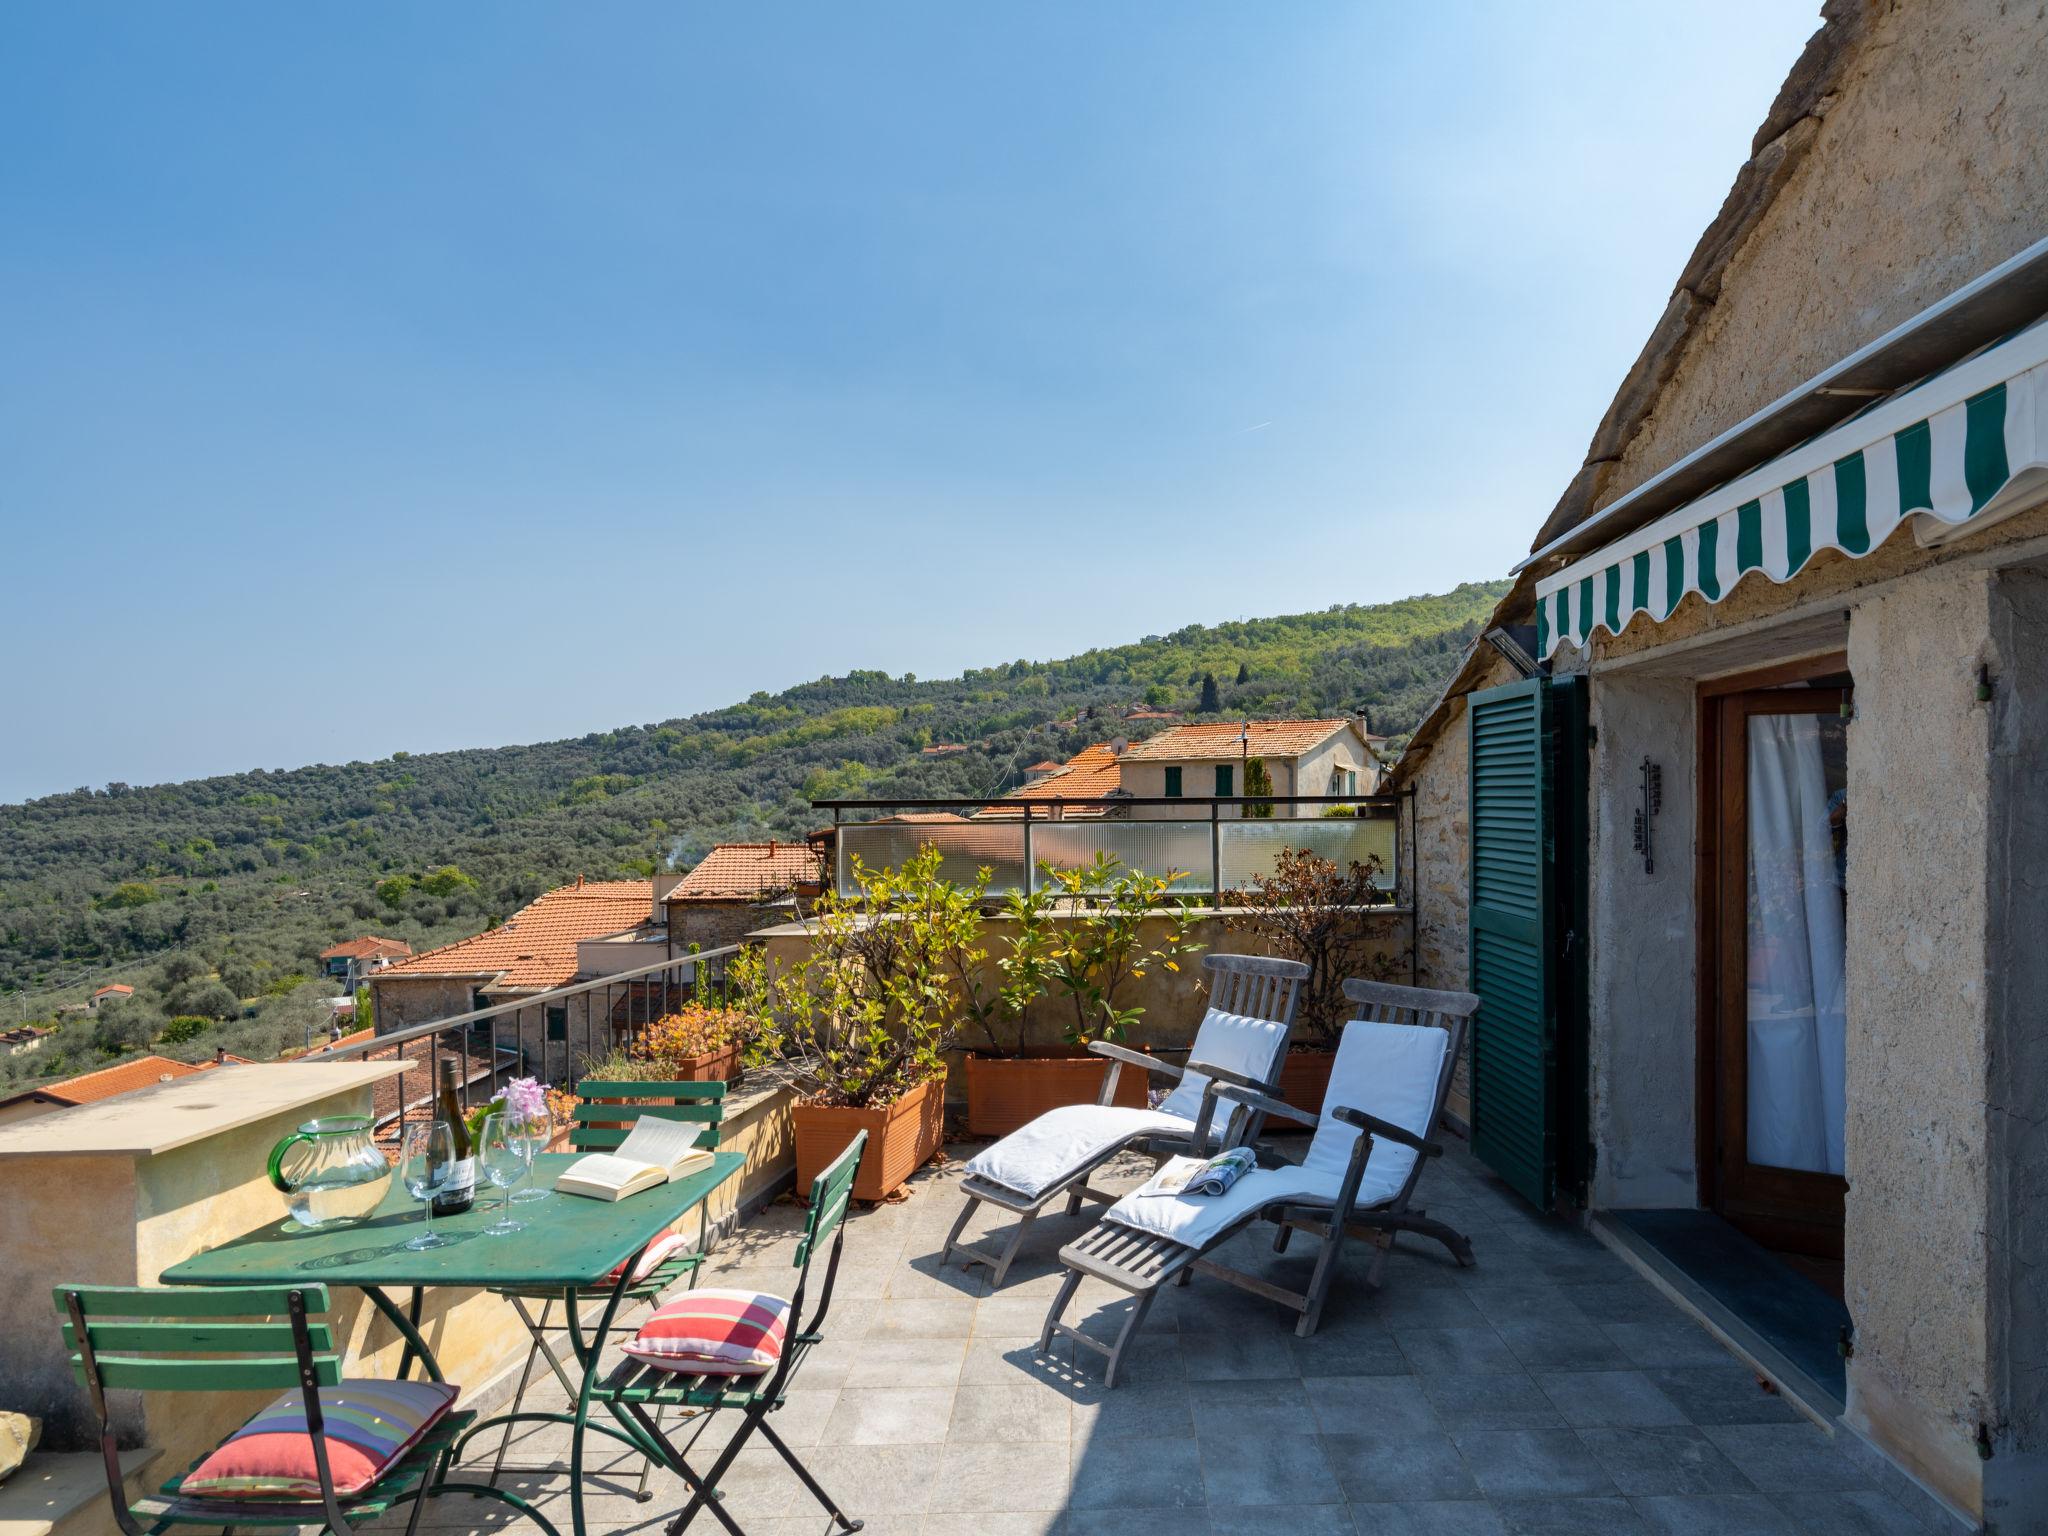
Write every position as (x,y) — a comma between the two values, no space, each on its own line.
(352,962)
(1201,762)
(106,1083)
(1732,818)
(118,992)
(738,887)
(27,1037)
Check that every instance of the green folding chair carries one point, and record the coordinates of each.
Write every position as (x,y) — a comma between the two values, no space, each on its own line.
(208,1339)
(641,1390)
(700,1103)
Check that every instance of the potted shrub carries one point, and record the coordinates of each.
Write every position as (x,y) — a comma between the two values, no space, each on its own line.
(863,1022)
(700,1042)
(1313,910)
(1081,934)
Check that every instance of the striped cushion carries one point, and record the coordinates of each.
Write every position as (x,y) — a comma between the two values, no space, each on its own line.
(717,1333)
(657,1254)
(369,1426)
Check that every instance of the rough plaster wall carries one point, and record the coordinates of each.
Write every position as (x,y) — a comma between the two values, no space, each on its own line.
(713,925)
(1916,1217)
(1926,170)
(1643,1008)
(2016,1478)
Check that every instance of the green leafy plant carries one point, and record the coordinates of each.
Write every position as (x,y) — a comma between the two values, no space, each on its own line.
(1083,933)
(869,1012)
(186,1026)
(1257,781)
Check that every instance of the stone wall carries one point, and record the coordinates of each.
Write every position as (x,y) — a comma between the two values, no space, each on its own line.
(1918,936)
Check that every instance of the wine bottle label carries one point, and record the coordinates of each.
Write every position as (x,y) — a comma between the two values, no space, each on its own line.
(461,1186)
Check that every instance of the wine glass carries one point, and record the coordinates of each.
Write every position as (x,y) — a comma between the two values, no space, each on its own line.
(532,1129)
(429,1164)
(504,1161)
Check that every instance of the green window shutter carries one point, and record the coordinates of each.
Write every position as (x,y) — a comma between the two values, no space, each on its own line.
(1173,783)
(1223,772)
(1513,932)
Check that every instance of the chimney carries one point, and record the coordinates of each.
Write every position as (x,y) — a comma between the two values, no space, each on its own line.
(579,882)
(220,1055)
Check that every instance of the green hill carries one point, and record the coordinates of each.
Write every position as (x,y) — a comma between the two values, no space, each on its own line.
(226,889)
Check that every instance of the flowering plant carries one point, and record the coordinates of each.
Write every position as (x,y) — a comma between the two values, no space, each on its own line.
(695,1029)
(524,1098)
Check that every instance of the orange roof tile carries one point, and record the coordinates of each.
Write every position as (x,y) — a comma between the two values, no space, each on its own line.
(125,1077)
(1205,743)
(748,872)
(118,989)
(1090,772)
(368,947)
(1151,714)
(536,947)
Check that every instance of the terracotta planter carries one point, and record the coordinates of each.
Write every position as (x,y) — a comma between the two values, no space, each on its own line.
(721,1066)
(901,1139)
(1006,1092)
(1304,1079)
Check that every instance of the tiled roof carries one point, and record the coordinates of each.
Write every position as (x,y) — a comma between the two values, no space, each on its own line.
(142,1072)
(118,989)
(1150,714)
(1203,743)
(368,947)
(943,749)
(747,872)
(1089,772)
(536,946)
(1047,766)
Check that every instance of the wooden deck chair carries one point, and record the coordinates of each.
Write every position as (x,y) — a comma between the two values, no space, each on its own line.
(392,1440)
(639,1384)
(599,1127)
(1387,1088)
(1242,1040)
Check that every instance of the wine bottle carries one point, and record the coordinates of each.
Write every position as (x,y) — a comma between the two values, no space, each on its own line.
(459,1193)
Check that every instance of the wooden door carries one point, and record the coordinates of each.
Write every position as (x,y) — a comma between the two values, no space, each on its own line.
(1774,838)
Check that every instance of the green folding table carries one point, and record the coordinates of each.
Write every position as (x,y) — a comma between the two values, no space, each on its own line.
(570,1243)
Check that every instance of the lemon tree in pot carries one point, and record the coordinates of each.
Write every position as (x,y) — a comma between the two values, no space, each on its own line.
(1083,936)
(1319,912)
(864,1019)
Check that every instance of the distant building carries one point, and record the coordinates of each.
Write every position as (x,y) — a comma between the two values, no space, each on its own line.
(353,962)
(738,887)
(943,749)
(1143,715)
(27,1038)
(119,992)
(534,950)
(107,1083)
(1090,774)
(1204,762)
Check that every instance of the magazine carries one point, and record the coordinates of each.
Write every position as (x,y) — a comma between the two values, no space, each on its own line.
(655,1151)
(1201,1175)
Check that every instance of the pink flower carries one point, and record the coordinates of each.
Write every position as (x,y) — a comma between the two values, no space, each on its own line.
(526,1098)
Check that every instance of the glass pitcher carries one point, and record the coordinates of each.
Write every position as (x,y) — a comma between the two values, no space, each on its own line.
(330,1171)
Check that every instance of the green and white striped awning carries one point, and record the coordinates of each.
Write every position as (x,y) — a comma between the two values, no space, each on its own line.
(1955,453)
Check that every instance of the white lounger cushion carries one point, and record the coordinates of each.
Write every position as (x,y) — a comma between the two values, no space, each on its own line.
(1388,1070)
(1235,1042)
(1063,1141)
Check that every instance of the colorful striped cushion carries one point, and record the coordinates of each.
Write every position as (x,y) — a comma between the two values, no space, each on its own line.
(369,1426)
(717,1333)
(656,1255)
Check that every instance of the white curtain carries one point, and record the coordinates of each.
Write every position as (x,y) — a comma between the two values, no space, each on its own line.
(1796,1008)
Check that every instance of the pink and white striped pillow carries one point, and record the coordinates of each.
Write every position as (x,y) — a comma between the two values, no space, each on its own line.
(715,1333)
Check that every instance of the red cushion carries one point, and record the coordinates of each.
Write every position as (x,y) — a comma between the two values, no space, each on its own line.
(368,1426)
(715,1333)
(656,1255)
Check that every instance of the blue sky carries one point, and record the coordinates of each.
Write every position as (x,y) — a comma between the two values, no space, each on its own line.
(383,377)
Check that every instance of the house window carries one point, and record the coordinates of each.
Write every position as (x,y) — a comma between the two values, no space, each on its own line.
(1173,783)
(1343,781)
(1224,779)
(558,1021)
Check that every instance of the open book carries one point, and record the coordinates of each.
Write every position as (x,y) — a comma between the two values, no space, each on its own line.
(655,1151)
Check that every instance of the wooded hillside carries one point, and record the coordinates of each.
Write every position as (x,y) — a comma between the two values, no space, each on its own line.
(245,878)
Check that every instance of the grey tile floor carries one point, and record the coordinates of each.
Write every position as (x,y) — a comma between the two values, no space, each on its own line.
(1547,1389)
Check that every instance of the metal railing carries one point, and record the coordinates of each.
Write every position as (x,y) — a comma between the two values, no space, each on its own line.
(1209,852)
(549,1035)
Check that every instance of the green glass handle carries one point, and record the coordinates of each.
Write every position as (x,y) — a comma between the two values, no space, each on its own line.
(276,1169)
